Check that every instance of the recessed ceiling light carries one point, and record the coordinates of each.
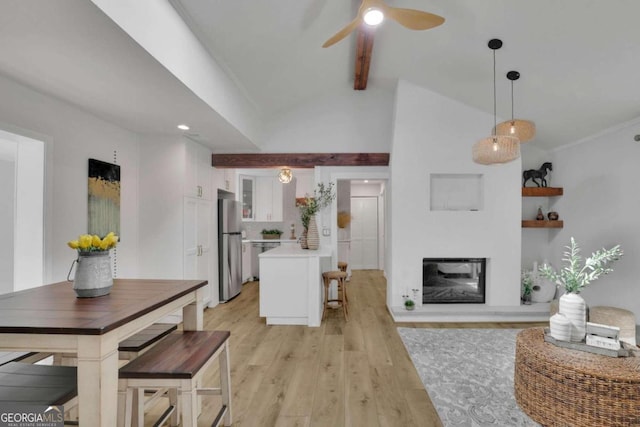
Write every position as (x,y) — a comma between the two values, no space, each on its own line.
(183,127)
(366,181)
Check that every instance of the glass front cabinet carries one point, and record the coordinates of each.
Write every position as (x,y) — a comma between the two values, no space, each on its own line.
(248,195)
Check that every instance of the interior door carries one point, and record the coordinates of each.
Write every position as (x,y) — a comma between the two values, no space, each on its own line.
(364,233)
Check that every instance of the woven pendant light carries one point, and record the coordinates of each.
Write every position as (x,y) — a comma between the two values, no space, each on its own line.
(495,149)
(524,130)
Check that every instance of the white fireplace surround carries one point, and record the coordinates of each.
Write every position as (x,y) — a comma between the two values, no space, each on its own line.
(434,135)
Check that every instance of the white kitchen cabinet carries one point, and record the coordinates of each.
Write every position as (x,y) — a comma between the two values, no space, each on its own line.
(248,197)
(247,262)
(177,232)
(224,179)
(197,240)
(198,173)
(269,201)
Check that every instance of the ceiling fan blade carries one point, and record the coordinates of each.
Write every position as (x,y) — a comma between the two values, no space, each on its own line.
(413,19)
(343,32)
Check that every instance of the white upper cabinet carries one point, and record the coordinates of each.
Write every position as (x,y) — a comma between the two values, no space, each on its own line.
(248,197)
(198,179)
(224,179)
(269,202)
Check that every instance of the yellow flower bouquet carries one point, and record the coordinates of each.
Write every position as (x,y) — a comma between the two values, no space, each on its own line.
(93,243)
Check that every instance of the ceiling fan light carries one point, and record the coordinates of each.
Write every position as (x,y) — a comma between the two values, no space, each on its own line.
(524,130)
(285,176)
(496,149)
(373,16)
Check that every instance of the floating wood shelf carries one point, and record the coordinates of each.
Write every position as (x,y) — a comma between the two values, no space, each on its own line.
(542,191)
(535,223)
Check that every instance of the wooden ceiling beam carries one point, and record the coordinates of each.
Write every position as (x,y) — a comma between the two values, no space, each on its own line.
(364,47)
(298,160)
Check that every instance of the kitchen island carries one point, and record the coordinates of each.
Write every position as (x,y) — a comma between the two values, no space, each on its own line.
(291,289)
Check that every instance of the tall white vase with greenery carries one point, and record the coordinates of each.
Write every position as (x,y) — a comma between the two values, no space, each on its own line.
(574,277)
(322,197)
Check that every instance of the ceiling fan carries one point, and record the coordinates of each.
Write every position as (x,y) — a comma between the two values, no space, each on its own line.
(372,12)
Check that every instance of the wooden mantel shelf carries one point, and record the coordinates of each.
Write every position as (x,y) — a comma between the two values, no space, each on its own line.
(535,223)
(542,191)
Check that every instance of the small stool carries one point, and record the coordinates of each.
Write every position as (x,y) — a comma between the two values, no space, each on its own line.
(338,276)
(342,266)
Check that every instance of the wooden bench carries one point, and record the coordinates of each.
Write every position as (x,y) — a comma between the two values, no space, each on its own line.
(137,344)
(130,348)
(178,363)
(21,356)
(25,383)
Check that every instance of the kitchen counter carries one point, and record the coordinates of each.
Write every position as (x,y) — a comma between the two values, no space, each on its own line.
(268,241)
(294,250)
(291,289)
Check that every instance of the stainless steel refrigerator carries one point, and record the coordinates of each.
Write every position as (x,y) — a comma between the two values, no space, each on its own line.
(229,249)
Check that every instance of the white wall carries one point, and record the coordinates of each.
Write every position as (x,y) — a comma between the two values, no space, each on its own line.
(345,121)
(7,193)
(161,207)
(434,134)
(71,137)
(600,208)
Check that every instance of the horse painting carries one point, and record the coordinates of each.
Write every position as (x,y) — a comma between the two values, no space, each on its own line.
(535,174)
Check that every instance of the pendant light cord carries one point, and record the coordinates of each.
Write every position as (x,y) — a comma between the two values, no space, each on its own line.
(512,101)
(495,120)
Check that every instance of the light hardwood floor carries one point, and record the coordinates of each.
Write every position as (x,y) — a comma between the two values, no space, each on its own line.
(354,373)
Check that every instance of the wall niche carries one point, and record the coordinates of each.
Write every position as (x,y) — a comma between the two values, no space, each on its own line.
(456,192)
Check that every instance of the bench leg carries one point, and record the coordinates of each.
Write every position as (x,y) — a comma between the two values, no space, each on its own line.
(189,398)
(173,400)
(225,382)
(122,401)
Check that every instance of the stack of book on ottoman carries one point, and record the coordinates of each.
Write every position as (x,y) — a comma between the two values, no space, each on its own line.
(603,336)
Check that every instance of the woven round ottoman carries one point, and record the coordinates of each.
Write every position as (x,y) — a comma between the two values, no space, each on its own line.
(560,387)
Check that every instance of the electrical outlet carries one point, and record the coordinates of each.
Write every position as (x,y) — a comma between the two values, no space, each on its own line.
(326,232)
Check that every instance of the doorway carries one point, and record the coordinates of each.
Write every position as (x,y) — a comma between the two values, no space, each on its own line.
(361,223)
(21,212)
(364,233)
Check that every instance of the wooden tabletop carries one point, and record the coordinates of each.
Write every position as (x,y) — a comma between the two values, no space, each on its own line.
(55,309)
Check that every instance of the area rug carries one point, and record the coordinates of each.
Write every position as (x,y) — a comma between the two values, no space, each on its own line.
(468,374)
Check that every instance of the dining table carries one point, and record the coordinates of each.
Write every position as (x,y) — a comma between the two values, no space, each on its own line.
(52,319)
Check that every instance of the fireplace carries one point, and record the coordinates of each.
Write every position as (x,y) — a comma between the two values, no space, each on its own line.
(453,280)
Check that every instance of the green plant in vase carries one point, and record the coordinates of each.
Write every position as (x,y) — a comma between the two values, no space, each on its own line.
(322,197)
(574,276)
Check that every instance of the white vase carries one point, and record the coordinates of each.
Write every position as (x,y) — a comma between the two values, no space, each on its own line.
(313,238)
(573,306)
(560,327)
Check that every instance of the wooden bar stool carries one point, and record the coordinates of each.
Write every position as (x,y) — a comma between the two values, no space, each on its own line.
(339,277)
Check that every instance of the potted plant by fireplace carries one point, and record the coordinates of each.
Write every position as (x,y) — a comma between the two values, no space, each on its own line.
(527,286)
(409,304)
(574,276)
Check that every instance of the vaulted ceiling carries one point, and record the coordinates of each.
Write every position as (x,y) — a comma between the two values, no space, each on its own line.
(577,58)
